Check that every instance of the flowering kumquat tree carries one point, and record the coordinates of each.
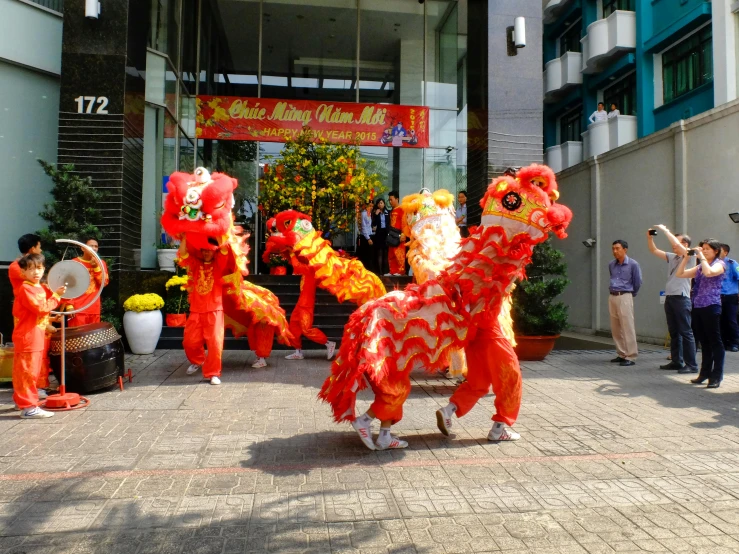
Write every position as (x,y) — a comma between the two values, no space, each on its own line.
(328,182)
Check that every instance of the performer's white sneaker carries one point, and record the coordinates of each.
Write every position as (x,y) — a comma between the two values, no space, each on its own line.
(444,419)
(261,362)
(386,441)
(215,381)
(35,413)
(331,348)
(194,368)
(365,432)
(500,433)
(295,356)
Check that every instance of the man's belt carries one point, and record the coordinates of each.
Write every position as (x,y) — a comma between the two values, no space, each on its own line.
(619,293)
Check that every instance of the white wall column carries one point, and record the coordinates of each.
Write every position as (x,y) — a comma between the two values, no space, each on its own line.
(724,22)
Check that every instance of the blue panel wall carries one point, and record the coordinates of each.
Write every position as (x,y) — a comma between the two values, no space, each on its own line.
(688,105)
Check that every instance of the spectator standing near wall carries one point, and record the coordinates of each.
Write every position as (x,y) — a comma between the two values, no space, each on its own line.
(678,306)
(708,275)
(624,285)
(462,214)
(729,301)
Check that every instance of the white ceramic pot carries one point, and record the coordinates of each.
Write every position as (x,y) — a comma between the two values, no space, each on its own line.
(165,258)
(143,330)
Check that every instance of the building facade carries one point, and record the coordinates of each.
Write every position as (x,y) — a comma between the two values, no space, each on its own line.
(120,95)
(658,61)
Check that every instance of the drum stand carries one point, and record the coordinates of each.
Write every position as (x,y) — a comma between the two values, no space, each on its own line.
(65,401)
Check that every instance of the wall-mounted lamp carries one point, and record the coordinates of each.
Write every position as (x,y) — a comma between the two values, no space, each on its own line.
(589,243)
(92,9)
(519,32)
(734,217)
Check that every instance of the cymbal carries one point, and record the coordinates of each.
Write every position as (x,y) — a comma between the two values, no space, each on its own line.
(72,274)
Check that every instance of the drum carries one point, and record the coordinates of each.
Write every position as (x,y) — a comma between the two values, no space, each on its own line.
(95,357)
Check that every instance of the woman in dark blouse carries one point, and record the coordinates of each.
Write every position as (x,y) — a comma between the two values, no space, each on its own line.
(380,225)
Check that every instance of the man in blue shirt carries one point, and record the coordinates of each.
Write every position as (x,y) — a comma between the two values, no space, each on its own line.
(624,285)
(462,214)
(729,301)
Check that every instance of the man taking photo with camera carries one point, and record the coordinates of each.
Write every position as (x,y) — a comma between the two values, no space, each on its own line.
(678,306)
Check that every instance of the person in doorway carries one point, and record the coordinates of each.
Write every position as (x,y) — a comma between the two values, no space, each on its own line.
(380,225)
(599,114)
(92,313)
(396,254)
(205,325)
(678,306)
(614,111)
(708,276)
(462,214)
(31,311)
(365,237)
(625,282)
(729,301)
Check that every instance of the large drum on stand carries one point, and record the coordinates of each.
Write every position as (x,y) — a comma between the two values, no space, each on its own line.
(94,359)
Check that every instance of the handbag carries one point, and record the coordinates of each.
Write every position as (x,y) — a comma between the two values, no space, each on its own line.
(393,237)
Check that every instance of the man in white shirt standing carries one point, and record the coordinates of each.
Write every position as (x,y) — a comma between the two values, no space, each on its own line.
(365,236)
(600,114)
(678,307)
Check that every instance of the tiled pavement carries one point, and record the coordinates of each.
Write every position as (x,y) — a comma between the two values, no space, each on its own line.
(611,460)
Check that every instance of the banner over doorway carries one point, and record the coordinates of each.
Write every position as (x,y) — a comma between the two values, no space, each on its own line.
(273,120)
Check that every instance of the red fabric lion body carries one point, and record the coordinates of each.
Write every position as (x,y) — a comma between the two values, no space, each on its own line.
(198,211)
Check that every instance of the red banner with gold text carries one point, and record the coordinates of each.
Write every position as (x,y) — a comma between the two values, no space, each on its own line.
(273,120)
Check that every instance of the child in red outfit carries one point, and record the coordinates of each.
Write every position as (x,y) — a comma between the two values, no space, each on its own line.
(31,244)
(205,324)
(31,317)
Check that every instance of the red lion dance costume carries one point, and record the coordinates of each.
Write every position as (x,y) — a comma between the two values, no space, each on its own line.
(198,209)
(319,265)
(459,308)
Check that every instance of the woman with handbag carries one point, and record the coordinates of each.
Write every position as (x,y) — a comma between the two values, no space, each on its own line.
(380,226)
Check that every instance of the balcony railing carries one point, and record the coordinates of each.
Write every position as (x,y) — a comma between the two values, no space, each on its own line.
(551,9)
(56,5)
(562,73)
(563,155)
(607,38)
(603,136)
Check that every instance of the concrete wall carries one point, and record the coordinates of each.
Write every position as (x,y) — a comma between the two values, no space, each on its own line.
(684,177)
(30,58)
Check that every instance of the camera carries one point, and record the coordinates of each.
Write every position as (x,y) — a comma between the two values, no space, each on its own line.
(691,252)
(653,232)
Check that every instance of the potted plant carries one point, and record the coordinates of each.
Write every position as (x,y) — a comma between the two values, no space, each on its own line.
(278,265)
(166,255)
(177,306)
(142,322)
(537,318)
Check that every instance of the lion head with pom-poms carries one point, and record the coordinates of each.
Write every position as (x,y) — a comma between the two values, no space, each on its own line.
(526,203)
(199,205)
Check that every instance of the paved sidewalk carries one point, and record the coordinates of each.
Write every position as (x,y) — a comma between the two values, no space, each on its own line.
(611,460)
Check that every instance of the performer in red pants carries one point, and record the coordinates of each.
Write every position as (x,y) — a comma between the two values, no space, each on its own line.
(205,326)
(491,360)
(92,313)
(301,319)
(396,254)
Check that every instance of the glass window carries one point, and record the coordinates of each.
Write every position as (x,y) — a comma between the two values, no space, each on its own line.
(309,50)
(610,6)
(687,65)
(189,37)
(569,41)
(165,21)
(570,126)
(623,94)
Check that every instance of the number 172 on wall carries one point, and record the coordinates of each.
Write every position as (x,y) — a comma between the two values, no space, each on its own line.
(86,104)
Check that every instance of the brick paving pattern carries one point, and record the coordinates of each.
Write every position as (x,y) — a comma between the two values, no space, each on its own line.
(611,460)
